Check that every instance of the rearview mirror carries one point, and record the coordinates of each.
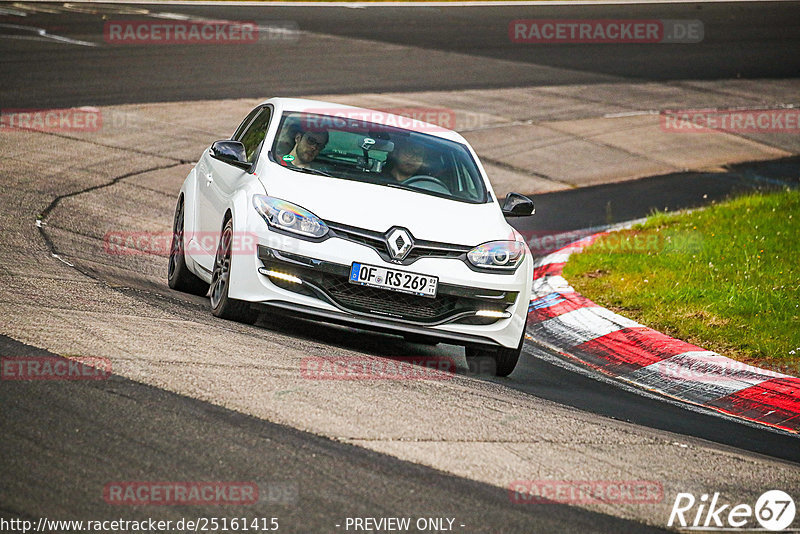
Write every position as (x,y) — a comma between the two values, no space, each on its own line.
(232,152)
(517,205)
(371,143)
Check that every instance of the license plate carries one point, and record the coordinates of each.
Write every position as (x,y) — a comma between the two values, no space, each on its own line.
(374,276)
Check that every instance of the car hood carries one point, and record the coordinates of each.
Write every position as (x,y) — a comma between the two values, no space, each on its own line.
(379,208)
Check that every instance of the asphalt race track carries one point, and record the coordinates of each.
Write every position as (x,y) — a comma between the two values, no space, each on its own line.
(742,39)
(62,442)
(169,437)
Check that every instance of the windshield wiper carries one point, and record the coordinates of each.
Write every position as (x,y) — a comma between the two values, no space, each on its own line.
(309,170)
(406,187)
(398,186)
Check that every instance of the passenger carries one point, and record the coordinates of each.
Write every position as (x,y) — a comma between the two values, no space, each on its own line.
(307,146)
(286,137)
(404,161)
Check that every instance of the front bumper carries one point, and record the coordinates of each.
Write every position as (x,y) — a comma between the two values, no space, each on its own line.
(329,282)
(288,274)
(378,325)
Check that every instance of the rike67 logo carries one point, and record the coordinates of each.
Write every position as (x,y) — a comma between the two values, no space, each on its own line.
(774,511)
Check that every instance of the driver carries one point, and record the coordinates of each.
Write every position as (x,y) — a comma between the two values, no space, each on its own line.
(405,161)
(307,145)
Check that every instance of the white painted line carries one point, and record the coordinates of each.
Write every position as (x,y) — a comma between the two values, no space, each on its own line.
(585,324)
(12,12)
(170,16)
(36,9)
(40,34)
(699,376)
(694,377)
(33,38)
(709,367)
(599,320)
(629,114)
(558,257)
(550,284)
(101,10)
(552,354)
(59,258)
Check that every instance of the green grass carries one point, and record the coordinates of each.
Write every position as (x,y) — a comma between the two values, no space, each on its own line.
(726,278)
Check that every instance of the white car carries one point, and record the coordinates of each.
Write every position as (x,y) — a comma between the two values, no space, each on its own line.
(356,217)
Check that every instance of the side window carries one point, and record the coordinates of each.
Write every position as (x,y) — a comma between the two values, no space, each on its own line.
(254,134)
(247,120)
(467,187)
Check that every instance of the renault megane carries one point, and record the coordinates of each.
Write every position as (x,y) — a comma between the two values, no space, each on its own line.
(357,217)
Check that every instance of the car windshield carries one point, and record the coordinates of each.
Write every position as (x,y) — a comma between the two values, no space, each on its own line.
(350,148)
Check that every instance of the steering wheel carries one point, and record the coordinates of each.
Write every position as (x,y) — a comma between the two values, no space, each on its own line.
(439,186)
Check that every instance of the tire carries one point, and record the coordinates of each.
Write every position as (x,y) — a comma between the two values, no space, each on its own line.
(179,277)
(221,305)
(505,359)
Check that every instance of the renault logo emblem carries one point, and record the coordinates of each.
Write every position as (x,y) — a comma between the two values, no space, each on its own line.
(399,242)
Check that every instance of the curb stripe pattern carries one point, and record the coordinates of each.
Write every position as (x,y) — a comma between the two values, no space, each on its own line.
(578,328)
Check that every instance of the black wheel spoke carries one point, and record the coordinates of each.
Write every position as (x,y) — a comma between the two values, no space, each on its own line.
(222,267)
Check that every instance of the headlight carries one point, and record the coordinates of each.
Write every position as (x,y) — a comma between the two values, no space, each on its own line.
(287,216)
(497,255)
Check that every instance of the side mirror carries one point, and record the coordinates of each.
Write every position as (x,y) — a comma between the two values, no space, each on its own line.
(517,205)
(231,152)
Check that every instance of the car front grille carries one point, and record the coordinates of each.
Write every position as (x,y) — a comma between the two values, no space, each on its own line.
(377,241)
(330,282)
(387,302)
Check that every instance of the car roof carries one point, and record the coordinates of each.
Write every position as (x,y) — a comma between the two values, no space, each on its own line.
(382,117)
